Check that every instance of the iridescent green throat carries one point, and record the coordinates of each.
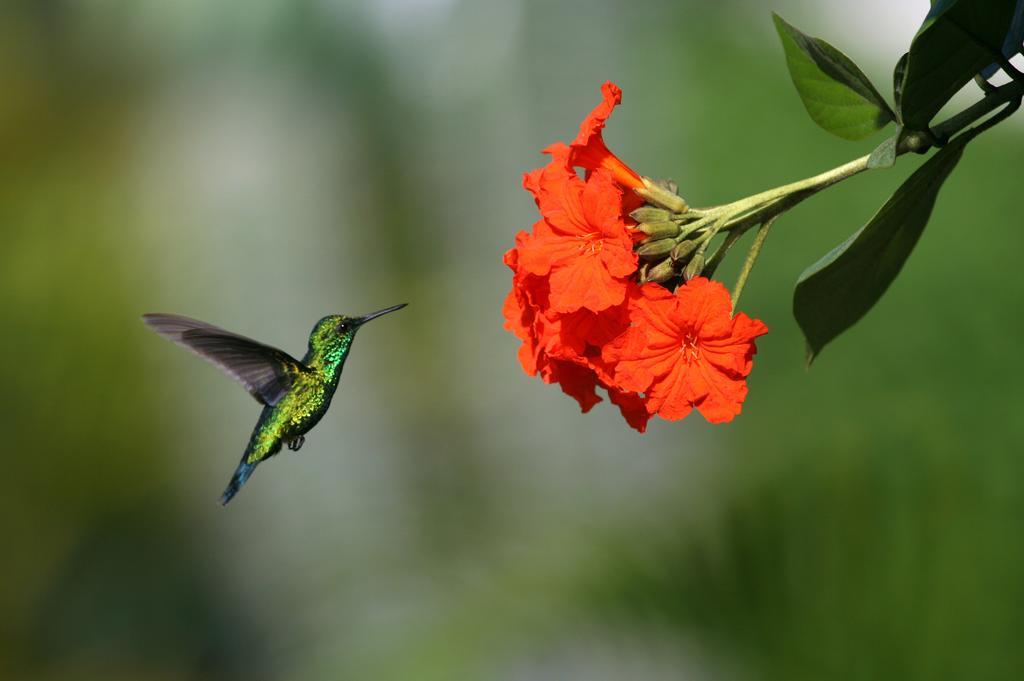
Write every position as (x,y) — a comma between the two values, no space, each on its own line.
(327,355)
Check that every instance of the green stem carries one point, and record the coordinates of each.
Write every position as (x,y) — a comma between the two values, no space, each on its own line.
(765,205)
(748,264)
(984,106)
(752,210)
(1004,113)
(719,255)
(983,83)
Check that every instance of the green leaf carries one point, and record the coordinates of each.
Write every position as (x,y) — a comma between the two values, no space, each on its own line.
(1013,42)
(835,292)
(899,76)
(835,92)
(956,41)
(884,155)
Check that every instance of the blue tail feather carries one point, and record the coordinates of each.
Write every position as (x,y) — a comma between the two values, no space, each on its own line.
(242,474)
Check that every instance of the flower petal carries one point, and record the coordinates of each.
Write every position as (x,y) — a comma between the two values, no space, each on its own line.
(583,328)
(735,353)
(707,307)
(602,204)
(724,394)
(633,408)
(650,346)
(589,150)
(577,381)
(593,124)
(673,396)
(544,249)
(583,282)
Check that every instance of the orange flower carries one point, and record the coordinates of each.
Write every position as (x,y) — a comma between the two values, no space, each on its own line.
(573,270)
(589,150)
(583,320)
(566,348)
(686,351)
(580,335)
(522,310)
(582,243)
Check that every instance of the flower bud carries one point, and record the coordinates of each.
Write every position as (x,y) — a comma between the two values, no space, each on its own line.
(650,214)
(694,268)
(659,230)
(656,248)
(669,185)
(683,250)
(661,196)
(661,272)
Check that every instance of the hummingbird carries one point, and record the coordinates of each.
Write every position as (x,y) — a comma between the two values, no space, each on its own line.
(295,394)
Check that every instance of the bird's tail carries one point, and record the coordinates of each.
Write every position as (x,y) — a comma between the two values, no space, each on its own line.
(242,474)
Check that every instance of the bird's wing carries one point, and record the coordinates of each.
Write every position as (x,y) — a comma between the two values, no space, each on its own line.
(266,372)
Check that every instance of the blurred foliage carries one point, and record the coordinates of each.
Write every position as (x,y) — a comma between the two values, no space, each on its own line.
(450,519)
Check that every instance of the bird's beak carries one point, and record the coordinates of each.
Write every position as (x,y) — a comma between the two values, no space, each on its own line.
(380,313)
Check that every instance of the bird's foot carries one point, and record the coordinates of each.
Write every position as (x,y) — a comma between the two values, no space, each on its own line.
(297,443)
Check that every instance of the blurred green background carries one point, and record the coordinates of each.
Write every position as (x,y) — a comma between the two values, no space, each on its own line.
(262,164)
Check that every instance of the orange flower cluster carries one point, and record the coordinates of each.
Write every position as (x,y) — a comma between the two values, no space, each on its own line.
(586,322)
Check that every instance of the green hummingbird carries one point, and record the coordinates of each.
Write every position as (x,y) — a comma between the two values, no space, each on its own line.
(295,394)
